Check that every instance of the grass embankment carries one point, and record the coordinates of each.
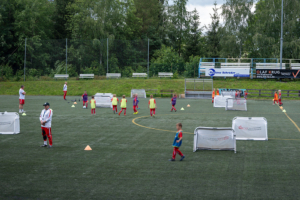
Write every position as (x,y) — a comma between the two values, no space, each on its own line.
(124,86)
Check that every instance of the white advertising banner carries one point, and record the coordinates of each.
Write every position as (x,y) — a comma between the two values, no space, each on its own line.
(208,138)
(227,72)
(9,123)
(220,101)
(250,128)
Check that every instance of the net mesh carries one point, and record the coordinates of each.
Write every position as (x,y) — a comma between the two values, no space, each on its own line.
(199,84)
(140,92)
(236,104)
(228,93)
(103,100)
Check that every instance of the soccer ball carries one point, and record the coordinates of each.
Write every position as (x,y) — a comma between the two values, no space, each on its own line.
(84,106)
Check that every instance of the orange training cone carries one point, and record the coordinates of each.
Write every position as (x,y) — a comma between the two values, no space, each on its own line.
(75,103)
(188,105)
(88,148)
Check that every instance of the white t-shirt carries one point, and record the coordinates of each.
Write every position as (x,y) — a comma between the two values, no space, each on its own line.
(21,95)
(65,87)
(46,115)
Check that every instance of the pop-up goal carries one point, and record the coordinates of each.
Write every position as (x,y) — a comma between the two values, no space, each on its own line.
(208,138)
(250,128)
(236,104)
(9,123)
(220,101)
(140,92)
(103,100)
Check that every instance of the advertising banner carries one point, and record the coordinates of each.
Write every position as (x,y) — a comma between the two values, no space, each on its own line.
(227,72)
(250,128)
(277,73)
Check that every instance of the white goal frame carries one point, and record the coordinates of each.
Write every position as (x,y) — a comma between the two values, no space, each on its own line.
(231,101)
(103,100)
(9,123)
(220,101)
(250,128)
(141,93)
(210,138)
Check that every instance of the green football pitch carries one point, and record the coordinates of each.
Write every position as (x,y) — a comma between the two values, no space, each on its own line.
(129,157)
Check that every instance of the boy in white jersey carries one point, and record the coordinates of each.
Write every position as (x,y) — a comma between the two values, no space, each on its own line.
(21,99)
(65,90)
(46,119)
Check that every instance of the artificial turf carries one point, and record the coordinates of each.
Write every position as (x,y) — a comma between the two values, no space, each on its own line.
(130,161)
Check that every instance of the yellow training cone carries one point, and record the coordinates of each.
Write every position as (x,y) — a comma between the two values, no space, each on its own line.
(188,105)
(24,114)
(182,108)
(88,148)
(284,111)
(73,106)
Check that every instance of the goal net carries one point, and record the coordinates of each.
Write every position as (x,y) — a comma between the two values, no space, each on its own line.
(220,101)
(228,93)
(250,128)
(9,123)
(208,138)
(236,104)
(198,88)
(140,92)
(103,100)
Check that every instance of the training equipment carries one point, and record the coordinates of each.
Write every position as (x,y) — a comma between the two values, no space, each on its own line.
(88,148)
(182,108)
(236,104)
(24,114)
(140,92)
(103,100)
(220,101)
(198,88)
(84,106)
(188,105)
(209,138)
(9,123)
(284,111)
(75,102)
(73,106)
(228,93)
(250,128)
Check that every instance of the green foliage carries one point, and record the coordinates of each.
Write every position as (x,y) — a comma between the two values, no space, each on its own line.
(60,68)
(191,67)
(6,71)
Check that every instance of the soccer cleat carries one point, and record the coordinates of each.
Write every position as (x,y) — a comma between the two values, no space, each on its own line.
(172,159)
(136,112)
(153,116)
(44,145)
(50,146)
(182,158)
(175,110)
(171,110)
(114,112)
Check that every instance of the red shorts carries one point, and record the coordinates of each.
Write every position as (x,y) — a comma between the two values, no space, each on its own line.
(22,101)
(84,102)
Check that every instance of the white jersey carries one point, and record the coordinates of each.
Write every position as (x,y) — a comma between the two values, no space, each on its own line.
(21,95)
(65,87)
(46,115)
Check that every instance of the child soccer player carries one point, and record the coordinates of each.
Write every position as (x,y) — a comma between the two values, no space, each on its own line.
(177,143)
(218,92)
(173,102)
(93,106)
(213,95)
(135,104)
(123,104)
(275,98)
(245,94)
(114,101)
(279,98)
(85,99)
(152,105)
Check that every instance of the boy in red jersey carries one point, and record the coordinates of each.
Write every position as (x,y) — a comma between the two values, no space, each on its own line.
(177,143)
(279,98)
(275,98)
(213,95)
(245,94)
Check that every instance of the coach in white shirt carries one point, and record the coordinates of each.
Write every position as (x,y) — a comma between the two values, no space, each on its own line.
(21,99)
(45,119)
(65,90)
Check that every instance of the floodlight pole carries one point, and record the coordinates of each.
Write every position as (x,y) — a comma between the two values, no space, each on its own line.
(281,39)
(148,60)
(25,58)
(66,55)
(107,56)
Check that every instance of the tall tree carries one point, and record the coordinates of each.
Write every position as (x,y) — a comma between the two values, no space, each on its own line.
(213,35)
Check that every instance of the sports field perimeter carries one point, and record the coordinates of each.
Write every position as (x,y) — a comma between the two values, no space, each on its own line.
(129,157)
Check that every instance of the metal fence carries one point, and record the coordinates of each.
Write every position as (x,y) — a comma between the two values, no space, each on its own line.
(270,93)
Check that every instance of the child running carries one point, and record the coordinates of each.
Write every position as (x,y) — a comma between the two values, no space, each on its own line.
(93,106)
(279,98)
(123,104)
(114,101)
(177,143)
(173,102)
(152,106)
(135,104)
(218,92)
(245,94)
(213,95)
(85,99)
(275,98)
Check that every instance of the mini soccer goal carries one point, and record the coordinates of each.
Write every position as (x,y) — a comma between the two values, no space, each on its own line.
(198,88)
(9,123)
(228,93)
(140,92)
(250,128)
(220,101)
(208,138)
(236,104)
(103,100)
